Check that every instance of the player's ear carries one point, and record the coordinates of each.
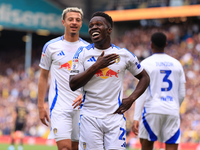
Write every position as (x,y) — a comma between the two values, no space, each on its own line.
(81,23)
(109,30)
(151,45)
(63,22)
(166,45)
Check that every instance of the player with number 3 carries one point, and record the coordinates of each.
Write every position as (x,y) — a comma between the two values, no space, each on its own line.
(162,99)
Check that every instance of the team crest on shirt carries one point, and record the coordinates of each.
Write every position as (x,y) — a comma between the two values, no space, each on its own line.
(75,64)
(55,130)
(84,145)
(117,60)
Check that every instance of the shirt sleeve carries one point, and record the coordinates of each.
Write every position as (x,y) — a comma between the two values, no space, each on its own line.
(181,93)
(45,61)
(139,103)
(77,63)
(182,82)
(182,75)
(133,64)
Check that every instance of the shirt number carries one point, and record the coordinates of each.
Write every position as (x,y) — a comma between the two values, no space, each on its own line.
(122,134)
(165,79)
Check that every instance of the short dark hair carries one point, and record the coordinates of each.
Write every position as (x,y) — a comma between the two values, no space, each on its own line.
(159,39)
(106,16)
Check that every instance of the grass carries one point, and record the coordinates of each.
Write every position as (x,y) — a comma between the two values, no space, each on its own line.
(36,147)
(30,147)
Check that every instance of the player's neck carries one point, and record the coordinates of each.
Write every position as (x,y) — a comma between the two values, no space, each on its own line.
(104,44)
(71,37)
(157,51)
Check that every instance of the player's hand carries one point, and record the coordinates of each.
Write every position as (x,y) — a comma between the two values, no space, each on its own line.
(44,117)
(125,105)
(104,61)
(135,126)
(77,102)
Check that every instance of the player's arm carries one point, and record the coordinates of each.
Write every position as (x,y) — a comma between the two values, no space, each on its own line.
(79,80)
(181,90)
(181,93)
(143,83)
(14,116)
(42,88)
(138,111)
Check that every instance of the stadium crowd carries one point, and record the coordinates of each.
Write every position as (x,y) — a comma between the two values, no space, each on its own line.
(183,44)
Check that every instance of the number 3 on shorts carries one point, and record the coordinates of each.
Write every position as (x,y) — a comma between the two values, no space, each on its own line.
(122,134)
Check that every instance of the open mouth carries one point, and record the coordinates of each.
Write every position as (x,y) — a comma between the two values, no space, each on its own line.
(74,28)
(95,34)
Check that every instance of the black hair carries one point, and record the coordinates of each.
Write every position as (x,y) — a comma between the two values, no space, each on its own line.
(106,16)
(159,39)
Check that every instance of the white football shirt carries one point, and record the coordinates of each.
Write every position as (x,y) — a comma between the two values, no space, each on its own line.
(57,57)
(102,95)
(162,96)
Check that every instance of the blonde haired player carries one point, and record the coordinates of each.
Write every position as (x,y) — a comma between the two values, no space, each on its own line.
(56,58)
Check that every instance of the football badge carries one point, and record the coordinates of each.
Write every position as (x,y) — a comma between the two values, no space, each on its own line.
(84,145)
(117,60)
(54,130)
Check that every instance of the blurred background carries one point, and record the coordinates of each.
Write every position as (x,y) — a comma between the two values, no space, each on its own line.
(26,25)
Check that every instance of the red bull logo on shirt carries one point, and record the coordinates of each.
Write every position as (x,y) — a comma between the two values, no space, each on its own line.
(66,65)
(106,73)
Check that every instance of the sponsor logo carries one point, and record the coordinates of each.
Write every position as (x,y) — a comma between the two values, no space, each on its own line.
(123,145)
(75,64)
(92,59)
(106,73)
(42,64)
(61,54)
(42,57)
(138,65)
(66,65)
(166,99)
(74,71)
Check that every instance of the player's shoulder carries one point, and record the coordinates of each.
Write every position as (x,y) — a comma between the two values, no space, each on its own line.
(51,42)
(165,57)
(84,42)
(148,61)
(172,59)
(116,47)
(149,58)
(123,50)
(89,47)
(83,48)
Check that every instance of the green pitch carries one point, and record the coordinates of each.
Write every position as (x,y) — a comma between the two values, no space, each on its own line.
(30,147)
(36,147)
